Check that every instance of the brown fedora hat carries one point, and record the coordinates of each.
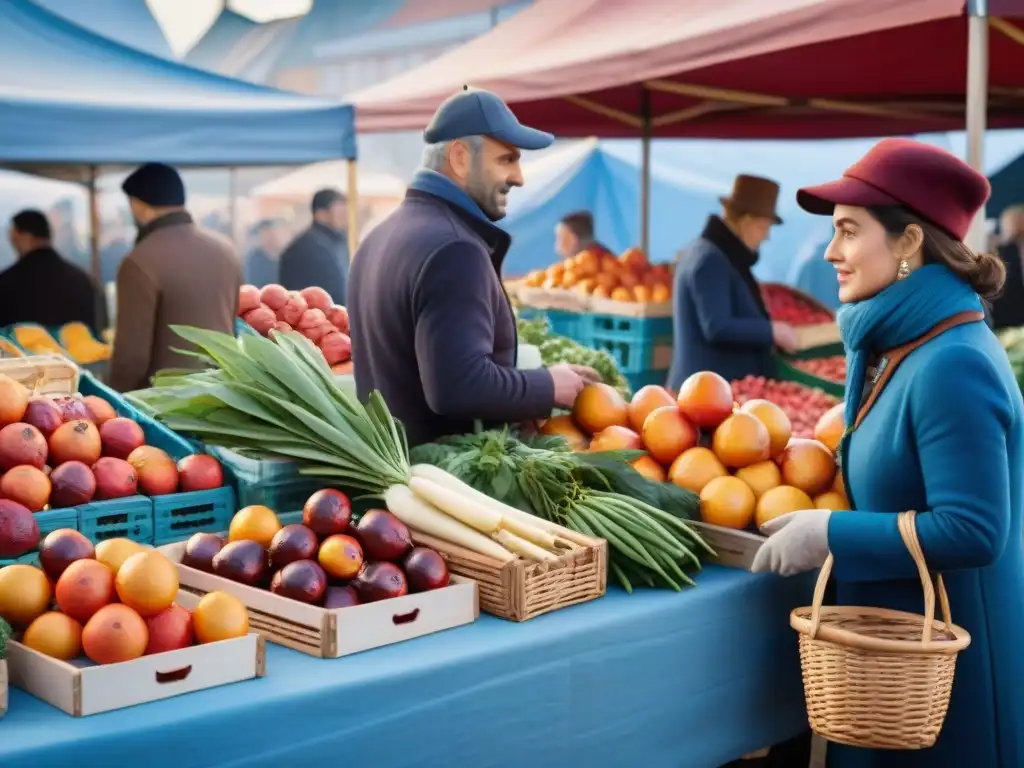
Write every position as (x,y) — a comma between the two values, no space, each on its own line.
(753,195)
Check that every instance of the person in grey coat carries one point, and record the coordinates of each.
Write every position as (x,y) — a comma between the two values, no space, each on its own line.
(319,256)
(720,320)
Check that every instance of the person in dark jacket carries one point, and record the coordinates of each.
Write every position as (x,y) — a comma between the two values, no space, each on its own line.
(319,256)
(721,322)
(41,287)
(1007,311)
(263,259)
(432,327)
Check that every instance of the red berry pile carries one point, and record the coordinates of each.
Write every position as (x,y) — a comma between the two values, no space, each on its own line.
(785,306)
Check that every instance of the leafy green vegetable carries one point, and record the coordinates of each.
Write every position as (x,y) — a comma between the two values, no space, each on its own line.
(556,349)
(6,633)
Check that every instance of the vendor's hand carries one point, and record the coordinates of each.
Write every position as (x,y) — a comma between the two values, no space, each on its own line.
(568,384)
(784,336)
(585,372)
(797,542)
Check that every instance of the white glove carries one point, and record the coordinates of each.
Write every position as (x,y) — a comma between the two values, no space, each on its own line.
(797,542)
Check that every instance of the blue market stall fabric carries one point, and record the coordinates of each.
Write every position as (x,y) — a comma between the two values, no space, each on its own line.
(129,22)
(655,679)
(69,97)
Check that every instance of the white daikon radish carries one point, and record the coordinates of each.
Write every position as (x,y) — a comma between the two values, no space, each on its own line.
(448,480)
(422,516)
(529,532)
(458,505)
(522,547)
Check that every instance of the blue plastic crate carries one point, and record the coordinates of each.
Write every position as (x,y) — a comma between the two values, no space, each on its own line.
(568,324)
(643,378)
(128,518)
(32,558)
(55,519)
(274,483)
(290,518)
(178,515)
(637,344)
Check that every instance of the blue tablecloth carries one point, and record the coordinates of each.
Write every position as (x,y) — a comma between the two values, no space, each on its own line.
(654,679)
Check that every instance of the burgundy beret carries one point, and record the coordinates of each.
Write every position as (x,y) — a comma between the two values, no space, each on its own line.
(933,183)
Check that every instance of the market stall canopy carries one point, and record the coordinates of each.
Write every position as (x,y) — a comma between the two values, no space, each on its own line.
(331,173)
(723,69)
(70,99)
(129,22)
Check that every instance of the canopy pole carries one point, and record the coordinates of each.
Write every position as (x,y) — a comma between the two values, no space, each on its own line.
(977,103)
(353,208)
(94,226)
(645,174)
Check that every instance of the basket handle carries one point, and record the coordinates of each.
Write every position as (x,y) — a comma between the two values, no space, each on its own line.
(908,532)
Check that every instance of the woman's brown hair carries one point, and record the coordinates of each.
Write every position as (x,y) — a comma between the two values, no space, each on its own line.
(984,272)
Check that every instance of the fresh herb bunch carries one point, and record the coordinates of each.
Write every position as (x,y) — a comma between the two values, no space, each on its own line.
(596,494)
(556,349)
(6,633)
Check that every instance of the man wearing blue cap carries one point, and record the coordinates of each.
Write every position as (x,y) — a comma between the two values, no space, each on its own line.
(432,327)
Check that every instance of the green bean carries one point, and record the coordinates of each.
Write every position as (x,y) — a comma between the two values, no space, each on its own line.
(674,566)
(622,536)
(643,533)
(641,516)
(621,576)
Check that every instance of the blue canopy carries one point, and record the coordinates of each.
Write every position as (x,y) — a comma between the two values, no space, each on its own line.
(71,98)
(129,22)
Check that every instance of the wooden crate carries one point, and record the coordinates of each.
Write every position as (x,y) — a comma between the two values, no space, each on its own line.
(50,375)
(735,549)
(88,690)
(3,687)
(330,634)
(521,589)
(553,298)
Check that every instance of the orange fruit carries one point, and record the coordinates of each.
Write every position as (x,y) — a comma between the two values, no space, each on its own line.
(599,406)
(606,280)
(14,398)
(587,262)
(569,278)
(341,556)
(705,398)
(741,440)
(147,582)
(650,469)
(831,500)
(830,427)
(660,293)
(554,272)
(114,634)
(667,433)
(642,294)
(808,465)
(219,616)
(27,485)
(552,282)
(839,485)
(586,285)
(25,594)
(564,426)
(255,523)
(622,293)
(775,420)
(633,258)
(113,552)
(535,278)
(780,501)
(616,438)
(54,634)
(695,468)
(84,588)
(728,502)
(627,279)
(761,477)
(645,400)
(600,292)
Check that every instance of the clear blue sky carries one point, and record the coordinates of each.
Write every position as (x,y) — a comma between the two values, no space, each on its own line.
(183,21)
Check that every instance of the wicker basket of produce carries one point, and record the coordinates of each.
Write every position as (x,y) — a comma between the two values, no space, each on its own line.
(878,678)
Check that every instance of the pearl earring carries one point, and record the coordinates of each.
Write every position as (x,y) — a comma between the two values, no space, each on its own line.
(904,271)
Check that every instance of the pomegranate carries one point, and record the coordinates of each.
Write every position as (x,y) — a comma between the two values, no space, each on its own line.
(120,437)
(262,320)
(317,298)
(22,443)
(200,472)
(274,296)
(100,411)
(338,317)
(156,471)
(337,347)
(73,408)
(115,478)
(292,312)
(77,440)
(248,299)
(43,414)
(72,484)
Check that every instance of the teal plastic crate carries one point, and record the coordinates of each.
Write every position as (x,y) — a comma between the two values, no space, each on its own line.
(274,483)
(290,518)
(32,558)
(128,518)
(179,515)
(639,345)
(643,378)
(242,327)
(568,324)
(55,519)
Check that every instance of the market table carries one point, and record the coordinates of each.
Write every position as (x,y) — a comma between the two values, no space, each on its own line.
(655,679)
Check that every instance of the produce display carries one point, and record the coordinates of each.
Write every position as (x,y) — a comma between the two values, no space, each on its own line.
(75,341)
(831,368)
(600,274)
(741,458)
(110,603)
(310,311)
(62,452)
(594,494)
(327,560)
(803,405)
(1012,340)
(556,349)
(278,398)
(786,306)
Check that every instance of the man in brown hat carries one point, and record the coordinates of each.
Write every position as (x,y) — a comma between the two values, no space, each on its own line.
(721,322)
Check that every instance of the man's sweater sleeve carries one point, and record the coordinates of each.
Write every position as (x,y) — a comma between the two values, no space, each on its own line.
(455,344)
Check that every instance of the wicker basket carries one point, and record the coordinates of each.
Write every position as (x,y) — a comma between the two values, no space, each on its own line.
(520,590)
(48,375)
(878,678)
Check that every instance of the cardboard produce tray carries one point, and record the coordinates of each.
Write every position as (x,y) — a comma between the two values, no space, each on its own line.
(330,634)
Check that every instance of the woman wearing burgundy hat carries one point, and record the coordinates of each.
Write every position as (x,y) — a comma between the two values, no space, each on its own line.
(938,427)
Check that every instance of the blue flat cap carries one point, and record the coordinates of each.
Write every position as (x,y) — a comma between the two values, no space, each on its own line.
(472,112)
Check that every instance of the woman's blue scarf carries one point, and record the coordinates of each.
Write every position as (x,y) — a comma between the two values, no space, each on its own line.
(904,311)
(439,185)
